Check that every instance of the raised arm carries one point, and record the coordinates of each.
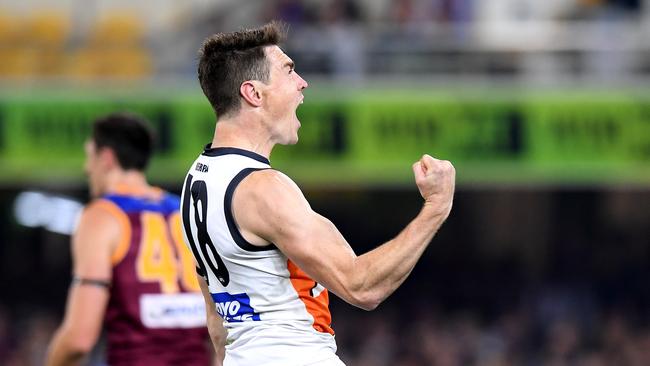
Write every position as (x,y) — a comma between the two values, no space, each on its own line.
(92,246)
(269,207)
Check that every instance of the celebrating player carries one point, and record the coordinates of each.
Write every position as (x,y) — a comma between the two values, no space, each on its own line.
(267,257)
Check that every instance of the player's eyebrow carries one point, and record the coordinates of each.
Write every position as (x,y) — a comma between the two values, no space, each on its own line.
(290,63)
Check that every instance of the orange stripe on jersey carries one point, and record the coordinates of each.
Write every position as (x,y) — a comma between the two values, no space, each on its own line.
(316,306)
(125,238)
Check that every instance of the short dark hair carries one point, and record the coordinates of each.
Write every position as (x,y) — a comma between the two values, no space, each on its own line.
(128,135)
(226,60)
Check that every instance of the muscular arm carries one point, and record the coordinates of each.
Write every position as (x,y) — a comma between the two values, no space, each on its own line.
(271,208)
(92,246)
(215,324)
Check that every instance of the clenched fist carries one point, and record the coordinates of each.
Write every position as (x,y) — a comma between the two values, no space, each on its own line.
(436,180)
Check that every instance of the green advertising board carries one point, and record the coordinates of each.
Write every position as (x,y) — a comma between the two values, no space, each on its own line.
(360,137)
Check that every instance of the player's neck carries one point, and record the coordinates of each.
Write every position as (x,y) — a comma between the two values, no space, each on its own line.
(237,133)
(127,180)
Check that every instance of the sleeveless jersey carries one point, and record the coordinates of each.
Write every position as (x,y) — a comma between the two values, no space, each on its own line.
(155,316)
(273,312)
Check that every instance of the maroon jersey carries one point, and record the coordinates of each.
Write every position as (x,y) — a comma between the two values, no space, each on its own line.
(156,313)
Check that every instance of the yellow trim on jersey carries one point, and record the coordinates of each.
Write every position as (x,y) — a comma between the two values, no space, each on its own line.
(125,238)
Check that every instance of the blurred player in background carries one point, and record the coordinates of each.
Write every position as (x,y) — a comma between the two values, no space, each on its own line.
(268,259)
(132,272)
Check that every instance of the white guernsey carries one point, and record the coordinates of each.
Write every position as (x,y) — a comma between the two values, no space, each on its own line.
(273,312)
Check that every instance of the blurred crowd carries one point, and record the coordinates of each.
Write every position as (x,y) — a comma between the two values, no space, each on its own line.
(304,12)
(421,334)
(343,39)
(45,45)
(421,337)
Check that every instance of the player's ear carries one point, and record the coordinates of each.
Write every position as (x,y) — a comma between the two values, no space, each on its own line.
(250,91)
(108,157)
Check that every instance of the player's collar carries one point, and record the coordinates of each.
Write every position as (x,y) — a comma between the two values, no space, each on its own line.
(132,190)
(218,151)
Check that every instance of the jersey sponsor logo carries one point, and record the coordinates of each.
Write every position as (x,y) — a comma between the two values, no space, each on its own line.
(203,168)
(172,311)
(235,307)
